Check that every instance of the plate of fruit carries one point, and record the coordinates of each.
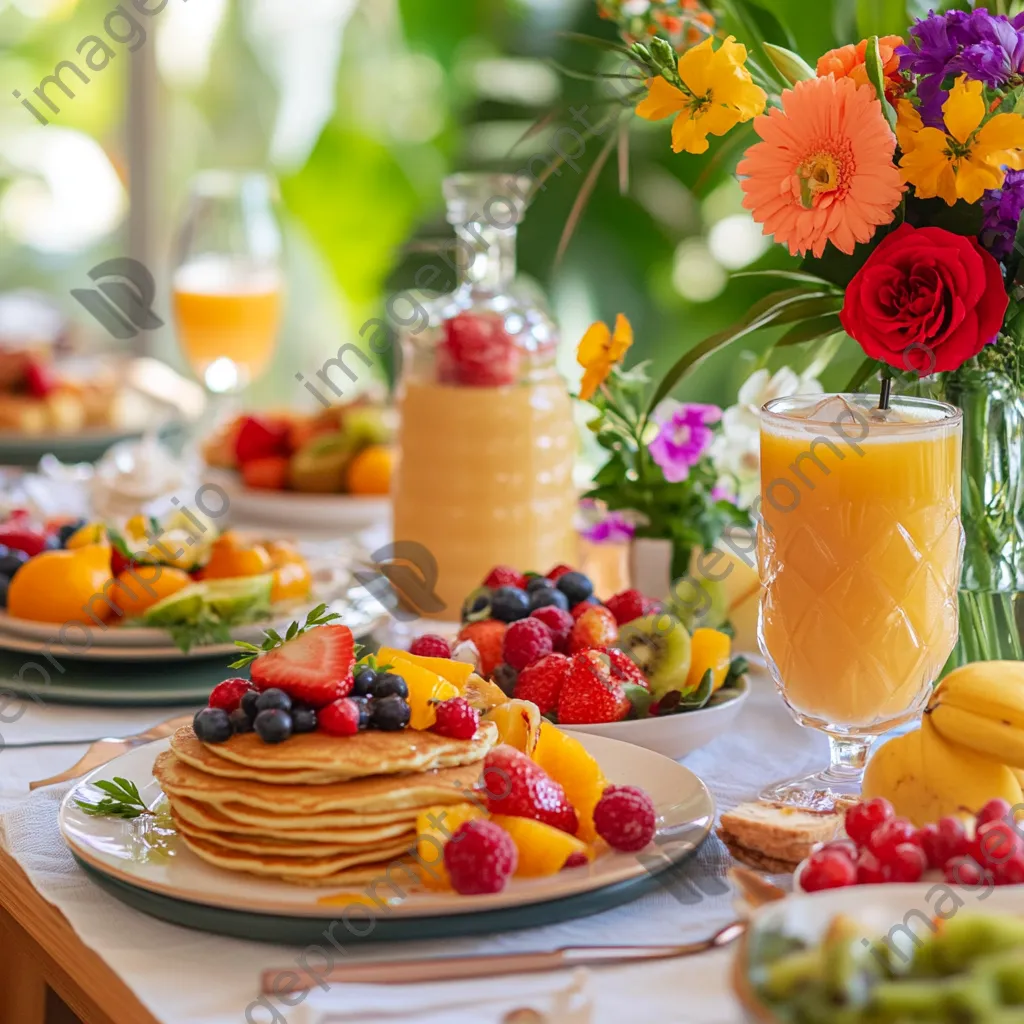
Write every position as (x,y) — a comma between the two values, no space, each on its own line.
(399,796)
(626,668)
(154,589)
(888,957)
(330,469)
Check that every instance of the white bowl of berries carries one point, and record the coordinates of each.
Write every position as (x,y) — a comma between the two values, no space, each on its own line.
(881,848)
(621,668)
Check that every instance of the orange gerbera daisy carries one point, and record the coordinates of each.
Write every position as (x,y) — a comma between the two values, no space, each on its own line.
(824,170)
(849,62)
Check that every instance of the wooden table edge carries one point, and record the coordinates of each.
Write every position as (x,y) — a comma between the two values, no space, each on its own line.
(78,975)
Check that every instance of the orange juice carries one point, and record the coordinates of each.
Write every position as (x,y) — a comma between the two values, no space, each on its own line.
(225,311)
(485,478)
(859,550)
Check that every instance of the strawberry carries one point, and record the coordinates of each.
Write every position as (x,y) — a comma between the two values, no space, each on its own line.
(267,473)
(627,606)
(558,572)
(259,437)
(596,627)
(505,576)
(625,669)
(477,351)
(583,606)
(39,379)
(591,693)
(489,637)
(542,682)
(520,788)
(315,667)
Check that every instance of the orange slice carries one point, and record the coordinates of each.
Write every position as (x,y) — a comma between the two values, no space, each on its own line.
(425,687)
(518,722)
(434,827)
(709,649)
(543,849)
(566,760)
(456,672)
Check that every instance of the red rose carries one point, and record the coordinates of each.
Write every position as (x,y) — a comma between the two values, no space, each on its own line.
(926,300)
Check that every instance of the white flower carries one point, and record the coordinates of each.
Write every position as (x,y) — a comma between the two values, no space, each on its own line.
(736,451)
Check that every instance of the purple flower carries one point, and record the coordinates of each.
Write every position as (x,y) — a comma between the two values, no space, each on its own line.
(615,528)
(683,439)
(986,47)
(1002,208)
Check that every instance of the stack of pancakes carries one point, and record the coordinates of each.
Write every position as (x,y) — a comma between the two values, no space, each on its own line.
(316,809)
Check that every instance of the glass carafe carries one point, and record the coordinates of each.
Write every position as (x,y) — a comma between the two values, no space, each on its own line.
(486,441)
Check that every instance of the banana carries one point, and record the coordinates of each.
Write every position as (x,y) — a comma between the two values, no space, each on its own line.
(925,777)
(990,736)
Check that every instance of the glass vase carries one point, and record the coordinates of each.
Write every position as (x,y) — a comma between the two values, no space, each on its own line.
(992,585)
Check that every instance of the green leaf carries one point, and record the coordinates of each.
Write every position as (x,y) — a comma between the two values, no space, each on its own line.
(863,373)
(756,26)
(816,327)
(789,275)
(699,697)
(790,65)
(881,18)
(640,698)
(876,76)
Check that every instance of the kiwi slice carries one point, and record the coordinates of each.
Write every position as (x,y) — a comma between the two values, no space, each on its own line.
(660,646)
(698,603)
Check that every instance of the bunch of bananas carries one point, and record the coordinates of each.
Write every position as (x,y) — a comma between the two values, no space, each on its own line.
(969,749)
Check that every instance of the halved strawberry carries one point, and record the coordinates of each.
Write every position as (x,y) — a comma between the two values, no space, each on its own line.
(519,787)
(315,667)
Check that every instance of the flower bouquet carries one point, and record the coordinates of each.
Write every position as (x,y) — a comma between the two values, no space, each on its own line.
(894,168)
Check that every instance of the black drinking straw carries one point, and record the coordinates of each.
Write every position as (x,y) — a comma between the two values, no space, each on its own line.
(886,394)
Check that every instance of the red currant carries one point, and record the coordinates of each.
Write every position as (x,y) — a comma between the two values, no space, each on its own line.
(1011,872)
(888,836)
(995,810)
(965,871)
(995,843)
(928,839)
(862,819)
(870,870)
(828,869)
(907,863)
(847,847)
(948,840)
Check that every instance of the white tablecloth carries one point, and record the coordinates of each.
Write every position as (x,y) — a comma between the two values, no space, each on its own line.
(186,976)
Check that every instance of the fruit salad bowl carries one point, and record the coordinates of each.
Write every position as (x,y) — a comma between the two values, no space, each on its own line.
(674,736)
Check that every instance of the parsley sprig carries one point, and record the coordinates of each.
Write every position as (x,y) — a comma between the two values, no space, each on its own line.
(271,638)
(122,800)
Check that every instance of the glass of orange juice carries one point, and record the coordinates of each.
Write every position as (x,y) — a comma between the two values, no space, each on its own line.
(227,286)
(859,551)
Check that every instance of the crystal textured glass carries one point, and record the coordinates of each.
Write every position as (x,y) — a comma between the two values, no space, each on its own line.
(859,548)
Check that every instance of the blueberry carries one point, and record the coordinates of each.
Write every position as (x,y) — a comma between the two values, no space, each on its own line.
(365,705)
(390,714)
(240,721)
(477,606)
(362,682)
(505,676)
(389,684)
(543,598)
(248,704)
(273,725)
(273,700)
(4,584)
(303,720)
(575,586)
(52,543)
(539,583)
(212,725)
(11,560)
(508,604)
(65,532)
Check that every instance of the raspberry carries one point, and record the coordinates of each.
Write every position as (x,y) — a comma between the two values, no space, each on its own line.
(480,858)
(596,627)
(505,576)
(576,860)
(627,606)
(477,352)
(559,571)
(624,669)
(559,622)
(625,818)
(542,682)
(456,718)
(526,642)
(488,635)
(340,718)
(228,695)
(430,645)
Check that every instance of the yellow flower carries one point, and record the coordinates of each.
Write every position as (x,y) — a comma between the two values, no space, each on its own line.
(717,94)
(908,122)
(599,350)
(968,157)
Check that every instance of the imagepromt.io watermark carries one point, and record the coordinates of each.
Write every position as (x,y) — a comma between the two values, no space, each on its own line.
(95,53)
(122,300)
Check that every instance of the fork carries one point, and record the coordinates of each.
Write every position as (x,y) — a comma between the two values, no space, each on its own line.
(104,750)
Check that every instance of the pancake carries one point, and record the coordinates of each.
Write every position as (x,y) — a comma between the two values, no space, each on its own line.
(209,819)
(371,752)
(184,773)
(297,847)
(332,871)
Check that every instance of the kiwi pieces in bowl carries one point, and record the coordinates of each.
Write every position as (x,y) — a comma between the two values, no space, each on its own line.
(660,646)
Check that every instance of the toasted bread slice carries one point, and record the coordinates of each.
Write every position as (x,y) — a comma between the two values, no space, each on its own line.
(755,859)
(777,832)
